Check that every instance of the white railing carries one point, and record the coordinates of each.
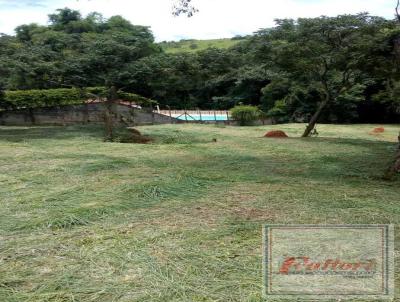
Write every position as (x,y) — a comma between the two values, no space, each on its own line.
(194,112)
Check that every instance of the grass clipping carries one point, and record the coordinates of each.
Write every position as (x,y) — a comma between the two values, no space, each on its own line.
(131,136)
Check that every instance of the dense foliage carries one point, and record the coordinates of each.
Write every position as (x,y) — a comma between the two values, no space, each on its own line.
(342,66)
(73,51)
(245,114)
(191,45)
(41,98)
(61,96)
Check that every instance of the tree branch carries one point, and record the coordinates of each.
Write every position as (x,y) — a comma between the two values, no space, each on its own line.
(398,10)
(184,7)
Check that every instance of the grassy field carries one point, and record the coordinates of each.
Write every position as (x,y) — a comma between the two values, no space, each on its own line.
(197,45)
(179,219)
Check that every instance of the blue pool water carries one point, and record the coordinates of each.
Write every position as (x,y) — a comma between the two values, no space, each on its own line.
(194,117)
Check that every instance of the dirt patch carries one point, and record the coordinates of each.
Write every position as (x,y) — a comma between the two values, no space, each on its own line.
(378,130)
(276,134)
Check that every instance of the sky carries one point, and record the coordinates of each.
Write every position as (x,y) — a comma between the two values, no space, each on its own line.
(215,19)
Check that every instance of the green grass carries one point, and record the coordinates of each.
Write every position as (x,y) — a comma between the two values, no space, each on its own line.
(179,219)
(197,45)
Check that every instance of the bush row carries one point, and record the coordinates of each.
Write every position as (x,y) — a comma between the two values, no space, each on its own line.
(62,96)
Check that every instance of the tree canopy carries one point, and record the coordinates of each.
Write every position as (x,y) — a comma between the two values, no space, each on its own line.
(343,68)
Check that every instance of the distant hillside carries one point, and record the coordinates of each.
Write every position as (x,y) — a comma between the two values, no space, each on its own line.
(196,45)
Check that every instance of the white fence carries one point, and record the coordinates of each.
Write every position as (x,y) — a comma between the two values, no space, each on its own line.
(193,112)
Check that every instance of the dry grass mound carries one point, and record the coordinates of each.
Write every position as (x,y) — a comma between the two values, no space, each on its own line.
(134,131)
(134,137)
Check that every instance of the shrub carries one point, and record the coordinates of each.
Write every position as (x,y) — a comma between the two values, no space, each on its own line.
(245,115)
(42,98)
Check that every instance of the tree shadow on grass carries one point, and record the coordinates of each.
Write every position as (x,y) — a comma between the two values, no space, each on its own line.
(357,142)
(365,162)
(20,134)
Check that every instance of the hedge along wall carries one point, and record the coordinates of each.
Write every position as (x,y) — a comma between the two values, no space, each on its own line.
(63,96)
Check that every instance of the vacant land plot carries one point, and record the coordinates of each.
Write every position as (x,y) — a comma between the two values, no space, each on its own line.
(179,219)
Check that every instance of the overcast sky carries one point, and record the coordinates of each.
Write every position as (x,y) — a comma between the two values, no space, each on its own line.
(216,18)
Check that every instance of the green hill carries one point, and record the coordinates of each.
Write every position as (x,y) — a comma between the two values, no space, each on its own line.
(196,45)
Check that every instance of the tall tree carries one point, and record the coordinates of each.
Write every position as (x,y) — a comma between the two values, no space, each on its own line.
(79,52)
(324,56)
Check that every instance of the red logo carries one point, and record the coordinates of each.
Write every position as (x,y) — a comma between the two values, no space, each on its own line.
(304,265)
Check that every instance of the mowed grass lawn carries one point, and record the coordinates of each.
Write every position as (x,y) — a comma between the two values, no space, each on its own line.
(179,219)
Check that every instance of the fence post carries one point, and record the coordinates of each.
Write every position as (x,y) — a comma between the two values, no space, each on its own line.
(227,117)
(215,117)
(201,119)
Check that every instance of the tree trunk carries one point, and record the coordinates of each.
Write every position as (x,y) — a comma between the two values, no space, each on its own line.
(109,113)
(394,167)
(32,116)
(315,117)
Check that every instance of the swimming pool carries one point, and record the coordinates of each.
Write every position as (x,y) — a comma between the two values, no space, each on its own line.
(204,117)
